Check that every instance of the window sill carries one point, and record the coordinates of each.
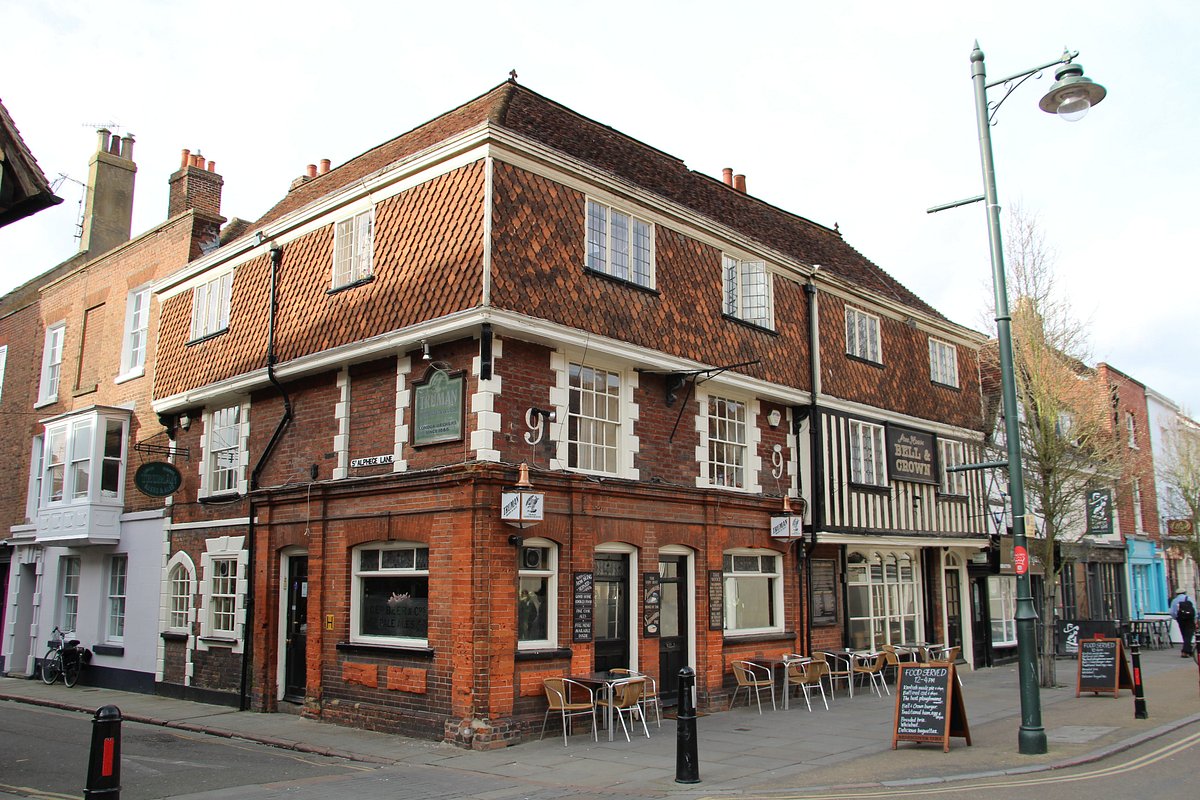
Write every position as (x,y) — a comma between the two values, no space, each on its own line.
(752,325)
(128,376)
(543,655)
(205,337)
(949,386)
(108,649)
(220,641)
(217,499)
(49,401)
(351,285)
(867,361)
(174,636)
(869,487)
(762,636)
(383,649)
(621,281)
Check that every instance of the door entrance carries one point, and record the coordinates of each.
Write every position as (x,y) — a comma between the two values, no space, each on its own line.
(611,614)
(981,631)
(296,644)
(674,631)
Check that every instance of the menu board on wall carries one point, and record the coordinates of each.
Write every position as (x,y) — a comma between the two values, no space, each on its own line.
(651,605)
(824,591)
(583,607)
(716,600)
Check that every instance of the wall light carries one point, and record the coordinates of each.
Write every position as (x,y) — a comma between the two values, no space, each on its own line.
(425,351)
(774,417)
(185,420)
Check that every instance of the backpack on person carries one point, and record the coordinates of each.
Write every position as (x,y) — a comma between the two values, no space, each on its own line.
(1186,612)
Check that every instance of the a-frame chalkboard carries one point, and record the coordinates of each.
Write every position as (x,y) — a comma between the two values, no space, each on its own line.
(929,705)
(1102,667)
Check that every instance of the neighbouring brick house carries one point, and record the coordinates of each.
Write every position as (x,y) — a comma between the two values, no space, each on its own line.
(511,283)
(87,545)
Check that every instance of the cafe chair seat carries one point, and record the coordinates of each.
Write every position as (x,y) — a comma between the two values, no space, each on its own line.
(807,674)
(756,677)
(627,702)
(871,667)
(650,693)
(568,699)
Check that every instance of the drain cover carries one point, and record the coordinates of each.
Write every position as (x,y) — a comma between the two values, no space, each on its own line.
(1077,734)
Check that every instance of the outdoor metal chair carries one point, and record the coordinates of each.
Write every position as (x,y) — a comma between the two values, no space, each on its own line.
(871,667)
(756,677)
(649,694)
(838,671)
(807,674)
(565,696)
(627,701)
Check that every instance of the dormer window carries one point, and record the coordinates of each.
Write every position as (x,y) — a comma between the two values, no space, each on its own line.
(210,306)
(353,249)
(619,244)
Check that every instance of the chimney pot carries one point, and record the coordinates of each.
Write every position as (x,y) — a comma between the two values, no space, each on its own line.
(102,145)
(185,159)
(212,166)
(311,170)
(739,183)
(324,165)
(114,146)
(127,147)
(727,176)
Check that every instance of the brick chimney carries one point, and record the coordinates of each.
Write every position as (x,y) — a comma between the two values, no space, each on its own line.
(195,186)
(108,214)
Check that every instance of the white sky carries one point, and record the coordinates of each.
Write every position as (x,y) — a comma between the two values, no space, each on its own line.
(855,113)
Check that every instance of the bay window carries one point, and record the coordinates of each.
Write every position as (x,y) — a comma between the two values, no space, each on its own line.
(881,592)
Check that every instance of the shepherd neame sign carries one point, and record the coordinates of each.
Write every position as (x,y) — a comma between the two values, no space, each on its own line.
(910,455)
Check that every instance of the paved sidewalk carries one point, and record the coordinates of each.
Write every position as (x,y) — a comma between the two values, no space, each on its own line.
(739,751)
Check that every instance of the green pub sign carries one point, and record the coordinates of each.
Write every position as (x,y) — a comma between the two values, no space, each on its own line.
(1099,512)
(438,408)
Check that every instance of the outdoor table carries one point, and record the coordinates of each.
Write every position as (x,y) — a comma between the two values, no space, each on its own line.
(604,681)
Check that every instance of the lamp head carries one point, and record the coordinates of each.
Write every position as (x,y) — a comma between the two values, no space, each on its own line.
(1072,94)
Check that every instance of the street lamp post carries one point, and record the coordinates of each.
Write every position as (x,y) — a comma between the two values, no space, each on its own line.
(1071,96)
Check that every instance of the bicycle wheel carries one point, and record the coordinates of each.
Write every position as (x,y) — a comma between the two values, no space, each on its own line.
(51,667)
(70,669)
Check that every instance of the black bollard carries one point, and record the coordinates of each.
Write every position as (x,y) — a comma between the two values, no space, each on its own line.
(687,763)
(104,763)
(1139,702)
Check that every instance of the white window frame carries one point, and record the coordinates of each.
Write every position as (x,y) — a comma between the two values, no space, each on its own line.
(732,574)
(1131,424)
(628,256)
(353,249)
(594,434)
(136,339)
(748,290)
(1138,526)
(118,584)
(862,335)
(71,569)
(180,593)
(893,602)
(867,453)
(544,570)
(210,306)
(226,431)
(358,574)
(1002,600)
(943,362)
(36,462)
(952,454)
(222,550)
(727,433)
(52,357)
(3,364)
(84,439)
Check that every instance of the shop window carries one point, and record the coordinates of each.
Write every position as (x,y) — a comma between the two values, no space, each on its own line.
(390,597)
(753,592)
(537,597)
(882,590)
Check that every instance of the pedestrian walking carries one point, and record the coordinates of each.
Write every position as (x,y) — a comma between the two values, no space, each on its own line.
(1183,610)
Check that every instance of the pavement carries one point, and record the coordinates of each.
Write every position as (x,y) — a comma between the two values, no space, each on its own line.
(740,752)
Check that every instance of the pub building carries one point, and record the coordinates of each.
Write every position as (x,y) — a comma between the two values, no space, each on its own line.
(513,396)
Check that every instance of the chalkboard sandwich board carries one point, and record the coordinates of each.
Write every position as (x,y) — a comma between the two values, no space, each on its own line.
(1102,667)
(929,705)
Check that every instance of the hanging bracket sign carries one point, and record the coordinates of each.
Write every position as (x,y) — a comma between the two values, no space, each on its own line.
(157,479)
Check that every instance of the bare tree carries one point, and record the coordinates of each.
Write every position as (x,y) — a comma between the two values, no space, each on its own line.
(1068,443)
(1179,478)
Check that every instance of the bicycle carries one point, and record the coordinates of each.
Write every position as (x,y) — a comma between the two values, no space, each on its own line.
(65,657)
